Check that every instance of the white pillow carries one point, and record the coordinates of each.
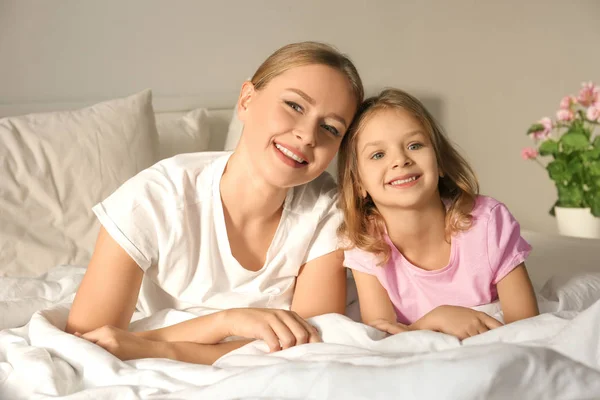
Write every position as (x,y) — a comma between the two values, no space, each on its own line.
(55,166)
(234,132)
(178,134)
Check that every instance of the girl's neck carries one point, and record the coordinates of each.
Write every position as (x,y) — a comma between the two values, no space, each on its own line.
(415,231)
(245,195)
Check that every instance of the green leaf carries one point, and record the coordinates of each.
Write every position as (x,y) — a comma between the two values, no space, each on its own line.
(551,211)
(591,155)
(535,128)
(570,195)
(594,168)
(575,169)
(596,142)
(548,147)
(557,170)
(574,141)
(595,205)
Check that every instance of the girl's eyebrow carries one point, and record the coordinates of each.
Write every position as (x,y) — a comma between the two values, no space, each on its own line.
(381,142)
(370,144)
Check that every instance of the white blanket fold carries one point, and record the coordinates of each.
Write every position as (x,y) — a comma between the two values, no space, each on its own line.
(554,355)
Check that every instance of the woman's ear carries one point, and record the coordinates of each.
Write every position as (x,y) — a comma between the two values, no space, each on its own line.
(243,103)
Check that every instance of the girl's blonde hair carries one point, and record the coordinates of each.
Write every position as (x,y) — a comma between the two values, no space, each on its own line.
(363,225)
(308,53)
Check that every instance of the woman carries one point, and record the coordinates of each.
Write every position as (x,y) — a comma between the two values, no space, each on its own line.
(242,240)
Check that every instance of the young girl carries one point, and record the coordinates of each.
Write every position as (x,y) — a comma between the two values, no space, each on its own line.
(422,245)
(242,239)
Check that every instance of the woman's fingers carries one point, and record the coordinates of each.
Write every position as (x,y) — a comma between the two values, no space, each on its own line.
(270,337)
(284,334)
(305,332)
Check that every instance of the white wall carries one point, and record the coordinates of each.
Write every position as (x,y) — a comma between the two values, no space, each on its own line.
(492,67)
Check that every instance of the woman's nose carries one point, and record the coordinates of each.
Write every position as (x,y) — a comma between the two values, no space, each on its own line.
(307,133)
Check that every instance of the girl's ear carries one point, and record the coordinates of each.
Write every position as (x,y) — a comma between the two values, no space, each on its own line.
(363,193)
(243,103)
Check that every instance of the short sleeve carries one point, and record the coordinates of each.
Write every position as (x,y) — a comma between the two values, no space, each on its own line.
(506,248)
(361,261)
(135,215)
(325,239)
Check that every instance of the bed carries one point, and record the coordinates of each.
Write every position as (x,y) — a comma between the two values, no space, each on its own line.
(46,237)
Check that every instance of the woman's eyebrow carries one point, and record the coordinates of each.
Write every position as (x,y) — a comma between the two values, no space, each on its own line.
(312,101)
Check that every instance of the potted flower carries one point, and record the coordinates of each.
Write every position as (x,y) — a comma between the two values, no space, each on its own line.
(570,150)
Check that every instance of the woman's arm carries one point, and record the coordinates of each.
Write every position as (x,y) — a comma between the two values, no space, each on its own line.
(517,296)
(109,289)
(321,286)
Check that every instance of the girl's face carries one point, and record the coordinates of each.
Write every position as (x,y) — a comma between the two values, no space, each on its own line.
(397,164)
(294,125)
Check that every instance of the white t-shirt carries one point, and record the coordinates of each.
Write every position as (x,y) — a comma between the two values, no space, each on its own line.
(169,219)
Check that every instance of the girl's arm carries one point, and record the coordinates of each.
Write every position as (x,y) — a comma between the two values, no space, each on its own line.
(321,286)
(517,296)
(376,308)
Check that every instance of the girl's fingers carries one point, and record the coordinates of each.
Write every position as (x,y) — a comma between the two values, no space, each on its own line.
(490,322)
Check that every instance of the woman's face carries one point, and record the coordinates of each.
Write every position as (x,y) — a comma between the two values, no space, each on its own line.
(294,125)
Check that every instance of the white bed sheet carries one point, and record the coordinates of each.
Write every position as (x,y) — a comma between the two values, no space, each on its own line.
(555,355)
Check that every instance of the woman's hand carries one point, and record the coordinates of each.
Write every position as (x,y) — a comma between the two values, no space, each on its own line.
(123,344)
(390,327)
(280,329)
(461,322)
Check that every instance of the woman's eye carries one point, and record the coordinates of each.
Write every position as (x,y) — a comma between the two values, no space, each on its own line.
(331,129)
(294,106)
(377,156)
(415,146)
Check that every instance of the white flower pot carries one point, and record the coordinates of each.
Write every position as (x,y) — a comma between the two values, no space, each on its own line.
(577,222)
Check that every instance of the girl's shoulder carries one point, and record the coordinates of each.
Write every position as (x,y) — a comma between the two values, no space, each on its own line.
(490,213)
(485,207)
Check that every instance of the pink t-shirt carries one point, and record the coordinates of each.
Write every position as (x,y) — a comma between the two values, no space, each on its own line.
(479,259)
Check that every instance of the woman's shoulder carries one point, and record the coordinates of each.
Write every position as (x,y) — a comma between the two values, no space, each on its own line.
(318,195)
(191,164)
(176,180)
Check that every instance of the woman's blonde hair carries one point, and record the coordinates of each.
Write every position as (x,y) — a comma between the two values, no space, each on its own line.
(308,53)
(363,225)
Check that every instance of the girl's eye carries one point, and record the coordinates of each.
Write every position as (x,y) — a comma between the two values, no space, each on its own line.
(415,146)
(294,106)
(377,156)
(331,129)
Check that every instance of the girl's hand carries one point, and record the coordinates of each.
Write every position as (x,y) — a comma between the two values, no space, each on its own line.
(461,322)
(390,327)
(123,344)
(280,329)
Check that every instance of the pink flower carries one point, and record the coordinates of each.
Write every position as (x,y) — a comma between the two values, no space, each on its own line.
(529,153)
(588,94)
(545,132)
(567,102)
(593,113)
(565,115)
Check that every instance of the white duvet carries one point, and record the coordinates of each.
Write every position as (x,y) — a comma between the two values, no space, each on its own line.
(553,356)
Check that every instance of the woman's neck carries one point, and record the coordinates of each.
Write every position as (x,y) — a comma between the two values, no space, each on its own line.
(245,195)
(417,232)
